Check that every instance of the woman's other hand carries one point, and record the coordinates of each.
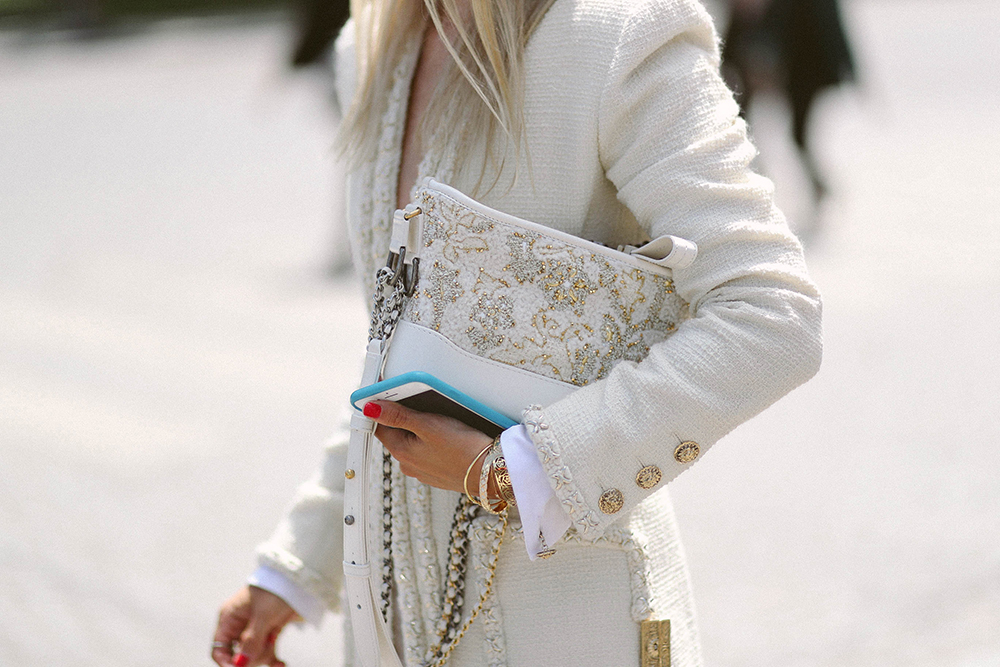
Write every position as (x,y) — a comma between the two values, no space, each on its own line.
(249,623)
(435,449)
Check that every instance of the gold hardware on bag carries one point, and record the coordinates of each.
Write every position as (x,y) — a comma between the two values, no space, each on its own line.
(655,640)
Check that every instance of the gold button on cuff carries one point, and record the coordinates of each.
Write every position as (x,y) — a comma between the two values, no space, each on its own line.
(611,501)
(349,474)
(648,477)
(687,452)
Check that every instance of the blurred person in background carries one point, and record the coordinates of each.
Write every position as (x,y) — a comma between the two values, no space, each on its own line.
(318,24)
(612,124)
(84,16)
(795,48)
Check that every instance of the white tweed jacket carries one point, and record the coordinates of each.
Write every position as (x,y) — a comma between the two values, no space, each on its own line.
(631,135)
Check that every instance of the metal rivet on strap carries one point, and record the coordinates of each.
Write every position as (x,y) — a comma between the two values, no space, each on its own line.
(349,520)
(349,474)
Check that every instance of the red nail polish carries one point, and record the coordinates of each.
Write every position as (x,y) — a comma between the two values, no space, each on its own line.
(273,637)
(372,410)
(241,660)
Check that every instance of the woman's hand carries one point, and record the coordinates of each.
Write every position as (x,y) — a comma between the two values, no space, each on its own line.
(435,449)
(251,620)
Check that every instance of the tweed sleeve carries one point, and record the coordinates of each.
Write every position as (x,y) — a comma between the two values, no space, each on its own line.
(671,142)
(307,546)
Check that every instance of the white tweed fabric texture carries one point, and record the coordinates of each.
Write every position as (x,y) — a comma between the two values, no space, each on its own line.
(631,135)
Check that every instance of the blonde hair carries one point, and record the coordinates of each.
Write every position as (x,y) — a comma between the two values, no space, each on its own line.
(486,79)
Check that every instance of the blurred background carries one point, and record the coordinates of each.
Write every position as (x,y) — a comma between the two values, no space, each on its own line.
(178,335)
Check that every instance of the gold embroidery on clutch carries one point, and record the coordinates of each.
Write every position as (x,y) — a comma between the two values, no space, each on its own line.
(445,289)
(555,309)
(567,285)
(492,313)
(523,263)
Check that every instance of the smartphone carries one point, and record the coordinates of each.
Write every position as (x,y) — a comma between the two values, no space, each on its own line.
(422,391)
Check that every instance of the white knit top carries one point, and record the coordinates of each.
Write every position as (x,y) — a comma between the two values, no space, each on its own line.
(631,135)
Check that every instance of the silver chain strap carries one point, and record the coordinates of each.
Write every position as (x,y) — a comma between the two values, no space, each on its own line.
(387,304)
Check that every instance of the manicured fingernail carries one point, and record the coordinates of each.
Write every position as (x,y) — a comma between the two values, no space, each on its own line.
(372,410)
(241,660)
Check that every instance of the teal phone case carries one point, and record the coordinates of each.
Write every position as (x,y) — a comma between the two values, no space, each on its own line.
(440,386)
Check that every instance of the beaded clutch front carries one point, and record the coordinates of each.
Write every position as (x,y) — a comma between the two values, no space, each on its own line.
(496,292)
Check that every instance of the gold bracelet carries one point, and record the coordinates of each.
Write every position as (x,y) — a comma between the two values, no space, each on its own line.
(490,505)
(465,484)
(501,479)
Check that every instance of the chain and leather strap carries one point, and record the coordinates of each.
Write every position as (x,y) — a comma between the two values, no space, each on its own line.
(387,306)
(450,628)
(392,286)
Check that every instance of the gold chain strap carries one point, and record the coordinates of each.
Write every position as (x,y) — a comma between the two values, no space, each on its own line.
(487,589)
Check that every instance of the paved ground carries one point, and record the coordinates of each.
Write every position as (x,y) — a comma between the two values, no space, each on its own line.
(172,355)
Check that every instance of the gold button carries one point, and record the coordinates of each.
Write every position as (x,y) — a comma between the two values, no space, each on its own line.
(687,452)
(648,477)
(349,474)
(611,501)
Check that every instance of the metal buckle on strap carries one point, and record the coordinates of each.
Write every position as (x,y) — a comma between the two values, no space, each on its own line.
(405,233)
(408,273)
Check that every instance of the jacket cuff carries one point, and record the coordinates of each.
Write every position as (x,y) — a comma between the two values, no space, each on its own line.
(305,604)
(592,507)
(568,493)
(300,574)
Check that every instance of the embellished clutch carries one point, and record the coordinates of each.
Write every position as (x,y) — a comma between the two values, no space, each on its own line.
(514,313)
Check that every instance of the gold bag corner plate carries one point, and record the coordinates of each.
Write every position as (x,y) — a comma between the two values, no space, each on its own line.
(655,638)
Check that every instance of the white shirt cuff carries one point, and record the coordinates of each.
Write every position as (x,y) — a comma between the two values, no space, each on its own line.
(305,604)
(543,518)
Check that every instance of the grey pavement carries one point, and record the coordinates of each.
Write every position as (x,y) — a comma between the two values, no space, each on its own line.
(172,354)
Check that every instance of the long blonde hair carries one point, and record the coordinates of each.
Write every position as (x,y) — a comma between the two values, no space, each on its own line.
(486,79)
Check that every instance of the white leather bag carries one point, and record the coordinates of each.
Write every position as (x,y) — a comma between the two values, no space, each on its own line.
(511,313)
